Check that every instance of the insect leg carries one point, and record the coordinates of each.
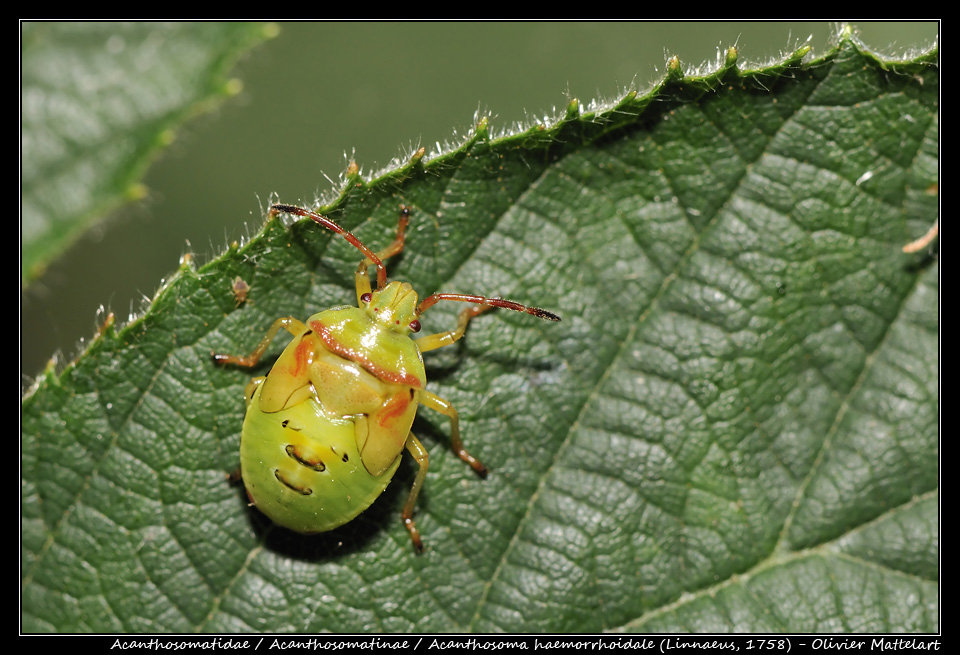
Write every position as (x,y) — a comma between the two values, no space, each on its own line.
(288,323)
(438,404)
(420,454)
(441,339)
(362,278)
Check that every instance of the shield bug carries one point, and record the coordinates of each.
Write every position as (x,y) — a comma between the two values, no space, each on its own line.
(325,429)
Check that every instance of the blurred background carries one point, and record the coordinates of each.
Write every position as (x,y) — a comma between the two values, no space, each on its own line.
(321,94)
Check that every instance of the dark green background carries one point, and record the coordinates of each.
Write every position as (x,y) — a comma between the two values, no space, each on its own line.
(378,90)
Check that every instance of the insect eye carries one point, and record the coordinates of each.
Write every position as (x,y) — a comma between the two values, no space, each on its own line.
(367,297)
(414,325)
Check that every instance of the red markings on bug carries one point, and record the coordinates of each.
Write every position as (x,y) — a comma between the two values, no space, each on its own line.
(393,409)
(361,358)
(302,357)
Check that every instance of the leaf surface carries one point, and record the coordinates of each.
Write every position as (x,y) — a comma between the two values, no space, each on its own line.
(734,427)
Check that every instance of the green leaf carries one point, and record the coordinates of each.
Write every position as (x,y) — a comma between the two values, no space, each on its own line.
(733,428)
(98,101)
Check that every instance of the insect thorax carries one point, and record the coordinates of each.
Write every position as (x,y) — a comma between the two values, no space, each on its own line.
(386,354)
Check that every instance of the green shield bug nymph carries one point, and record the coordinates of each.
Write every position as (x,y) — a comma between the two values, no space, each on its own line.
(325,429)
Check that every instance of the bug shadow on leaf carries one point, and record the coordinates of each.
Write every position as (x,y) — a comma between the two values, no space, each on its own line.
(442,366)
(452,368)
(919,264)
(345,540)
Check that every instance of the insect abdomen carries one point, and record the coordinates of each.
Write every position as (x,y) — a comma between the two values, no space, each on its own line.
(302,468)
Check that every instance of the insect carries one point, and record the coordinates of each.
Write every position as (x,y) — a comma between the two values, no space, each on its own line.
(240,290)
(325,429)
